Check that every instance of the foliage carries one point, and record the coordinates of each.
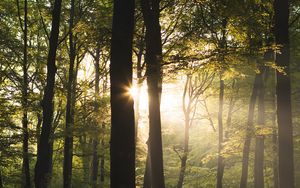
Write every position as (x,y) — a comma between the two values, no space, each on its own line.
(224,38)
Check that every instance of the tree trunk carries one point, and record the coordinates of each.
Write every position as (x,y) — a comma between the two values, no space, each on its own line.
(259,141)
(122,150)
(147,174)
(283,92)
(274,143)
(185,151)
(230,109)
(95,141)
(275,158)
(221,165)
(249,130)
(68,145)
(44,154)
(25,155)
(102,159)
(85,145)
(38,128)
(85,158)
(153,58)
(220,170)
(186,111)
(1,180)
(95,163)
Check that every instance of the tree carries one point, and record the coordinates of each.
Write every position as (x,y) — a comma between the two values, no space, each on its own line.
(1,181)
(223,49)
(95,141)
(25,163)
(43,168)
(249,130)
(153,58)
(68,145)
(283,92)
(220,168)
(122,150)
(194,88)
(259,140)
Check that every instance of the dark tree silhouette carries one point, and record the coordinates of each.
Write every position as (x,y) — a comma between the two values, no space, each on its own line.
(220,168)
(68,145)
(25,80)
(95,162)
(153,58)
(283,92)
(223,48)
(247,142)
(122,150)
(259,140)
(43,168)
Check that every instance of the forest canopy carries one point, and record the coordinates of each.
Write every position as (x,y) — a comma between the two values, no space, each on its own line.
(149,93)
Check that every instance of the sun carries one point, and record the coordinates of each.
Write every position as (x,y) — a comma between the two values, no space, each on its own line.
(140,96)
(133,92)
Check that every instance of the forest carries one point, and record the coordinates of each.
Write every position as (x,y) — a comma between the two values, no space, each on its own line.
(150,93)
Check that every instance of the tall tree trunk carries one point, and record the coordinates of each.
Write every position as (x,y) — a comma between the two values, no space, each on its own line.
(25,157)
(275,158)
(68,145)
(221,165)
(147,174)
(220,170)
(259,140)
(153,58)
(230,110)
(187,121)
(85,146)
(122,150)
(283,92)
(38,128)
(44,154)
(85,158)
(185,152)
(274,143)
(249,130)
(95,162)
(1,180)
(102,159)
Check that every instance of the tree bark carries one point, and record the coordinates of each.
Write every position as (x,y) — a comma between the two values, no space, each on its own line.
(185,153)
(153,58)
(102,159)
(283,92)
(274,141)
(275,157)
(230,109)
(187,111)
(122,150)
(43,166)
(221,165)
(68,144)
(1,180)
(25,155)
(259,140)
(220,170)
(95,161)
(249,130)
(147,174)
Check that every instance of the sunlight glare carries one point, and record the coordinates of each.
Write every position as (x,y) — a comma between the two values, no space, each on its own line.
(133,92)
